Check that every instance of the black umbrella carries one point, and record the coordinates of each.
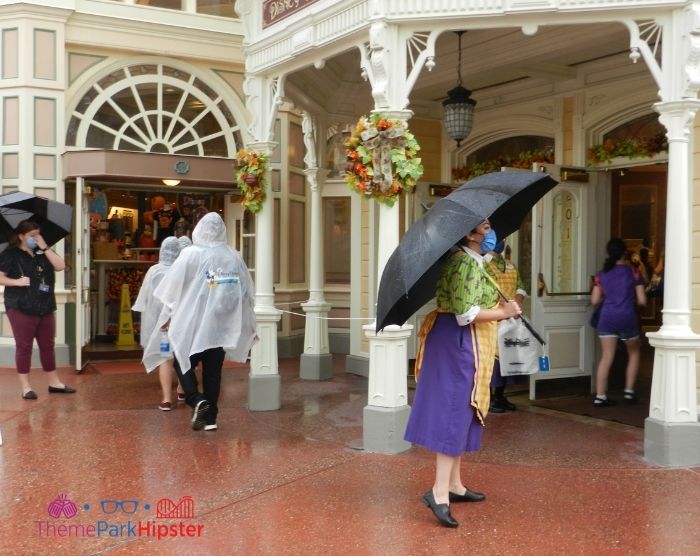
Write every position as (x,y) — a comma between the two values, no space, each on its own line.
(411,273)
(54,219)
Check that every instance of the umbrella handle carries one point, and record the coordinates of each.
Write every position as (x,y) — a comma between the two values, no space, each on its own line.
(532,330)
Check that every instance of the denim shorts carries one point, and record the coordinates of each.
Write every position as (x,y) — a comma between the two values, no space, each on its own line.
(631,333)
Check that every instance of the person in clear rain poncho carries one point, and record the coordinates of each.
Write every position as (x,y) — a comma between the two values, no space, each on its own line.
(150,309)
(184,241)
(208,297)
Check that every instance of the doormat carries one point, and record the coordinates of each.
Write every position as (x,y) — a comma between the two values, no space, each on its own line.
(633,415)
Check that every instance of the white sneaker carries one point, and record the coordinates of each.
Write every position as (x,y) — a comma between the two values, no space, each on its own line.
(211,427)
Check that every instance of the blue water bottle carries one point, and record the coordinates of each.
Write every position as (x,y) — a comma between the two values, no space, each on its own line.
(164,343)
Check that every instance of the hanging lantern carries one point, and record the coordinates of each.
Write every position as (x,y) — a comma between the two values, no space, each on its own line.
(458,114)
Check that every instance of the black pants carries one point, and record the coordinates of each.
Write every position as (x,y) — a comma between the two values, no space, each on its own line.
(212,361)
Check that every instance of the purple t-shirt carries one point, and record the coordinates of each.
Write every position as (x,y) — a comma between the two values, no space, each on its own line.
(619,311)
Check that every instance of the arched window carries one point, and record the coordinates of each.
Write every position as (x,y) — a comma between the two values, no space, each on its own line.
(644,127)
(510,147)
(154,108)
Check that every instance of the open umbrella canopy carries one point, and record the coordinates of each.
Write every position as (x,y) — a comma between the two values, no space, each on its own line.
(54,218)
(411,273)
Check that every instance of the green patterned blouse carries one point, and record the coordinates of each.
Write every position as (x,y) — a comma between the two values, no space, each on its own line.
(463,284)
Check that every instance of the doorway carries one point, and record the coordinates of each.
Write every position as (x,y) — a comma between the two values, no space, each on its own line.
(638,215)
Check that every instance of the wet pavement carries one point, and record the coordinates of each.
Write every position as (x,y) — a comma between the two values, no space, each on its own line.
(104,471)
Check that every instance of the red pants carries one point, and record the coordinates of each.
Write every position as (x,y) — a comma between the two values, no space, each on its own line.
(27,327)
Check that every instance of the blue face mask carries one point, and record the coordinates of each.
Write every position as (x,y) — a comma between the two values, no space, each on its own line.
(489,242)
(31,242)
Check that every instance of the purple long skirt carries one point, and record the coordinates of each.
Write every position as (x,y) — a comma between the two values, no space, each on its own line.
(442,418)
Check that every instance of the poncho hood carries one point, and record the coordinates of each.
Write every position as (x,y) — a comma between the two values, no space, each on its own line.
(169,250)
(210,231)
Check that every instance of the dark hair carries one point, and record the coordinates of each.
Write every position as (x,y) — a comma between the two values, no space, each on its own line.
(616,249)
(22,228)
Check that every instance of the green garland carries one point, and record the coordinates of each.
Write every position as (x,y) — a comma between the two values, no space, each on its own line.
(645,147)
(523,160)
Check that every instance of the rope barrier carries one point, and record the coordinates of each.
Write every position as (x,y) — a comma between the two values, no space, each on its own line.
(322,318)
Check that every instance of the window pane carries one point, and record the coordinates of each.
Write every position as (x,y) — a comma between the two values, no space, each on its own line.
(170,4)
(223,8)
(336,240)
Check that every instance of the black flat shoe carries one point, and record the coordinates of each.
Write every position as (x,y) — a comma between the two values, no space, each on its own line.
(30,395)
(64,390)
(468,496)
(440,511)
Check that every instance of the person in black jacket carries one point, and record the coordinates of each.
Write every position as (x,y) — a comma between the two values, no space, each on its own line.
(27,270)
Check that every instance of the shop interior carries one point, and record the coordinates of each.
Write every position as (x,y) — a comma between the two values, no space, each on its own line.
(127,226)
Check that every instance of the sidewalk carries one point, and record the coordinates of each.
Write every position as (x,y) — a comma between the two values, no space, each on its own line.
(296,481)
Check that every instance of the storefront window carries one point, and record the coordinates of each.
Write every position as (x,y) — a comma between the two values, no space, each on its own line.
(336,238)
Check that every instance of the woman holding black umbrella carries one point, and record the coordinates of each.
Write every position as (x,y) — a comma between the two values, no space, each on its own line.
(27,270)
(453,369)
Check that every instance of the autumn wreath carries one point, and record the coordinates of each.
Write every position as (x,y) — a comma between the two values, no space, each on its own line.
(381,159)
(250,177)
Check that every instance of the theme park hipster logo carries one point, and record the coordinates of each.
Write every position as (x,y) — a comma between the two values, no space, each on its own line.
(62,507)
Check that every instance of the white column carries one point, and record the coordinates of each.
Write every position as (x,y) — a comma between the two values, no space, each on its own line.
(316,361)
(672,432)
(264,384)
(387,410)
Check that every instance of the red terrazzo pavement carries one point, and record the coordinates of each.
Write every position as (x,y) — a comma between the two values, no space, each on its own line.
(295,481)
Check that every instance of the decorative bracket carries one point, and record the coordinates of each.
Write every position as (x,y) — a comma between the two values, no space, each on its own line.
(645,41)
(378,64)
(680,36)
(308,126)
(264,95)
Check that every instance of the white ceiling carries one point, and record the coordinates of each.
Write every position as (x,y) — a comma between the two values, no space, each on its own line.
(491,59)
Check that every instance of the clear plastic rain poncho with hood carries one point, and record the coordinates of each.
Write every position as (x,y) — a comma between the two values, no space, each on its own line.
(184,242)
(209,296)
(150,307)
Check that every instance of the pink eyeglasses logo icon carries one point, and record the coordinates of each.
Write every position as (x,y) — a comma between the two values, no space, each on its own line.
(62,506)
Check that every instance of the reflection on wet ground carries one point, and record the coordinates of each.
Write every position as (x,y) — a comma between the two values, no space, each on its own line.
(296,481)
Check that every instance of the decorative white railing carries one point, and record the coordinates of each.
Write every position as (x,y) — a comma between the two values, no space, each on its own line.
(324,22)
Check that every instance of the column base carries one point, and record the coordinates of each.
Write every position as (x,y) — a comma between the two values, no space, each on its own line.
(357,365)
(671,444)
(314,366)
(383,429)
(264,392)
(63,356)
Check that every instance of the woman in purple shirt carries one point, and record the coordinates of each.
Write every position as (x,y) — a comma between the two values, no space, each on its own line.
(620,289)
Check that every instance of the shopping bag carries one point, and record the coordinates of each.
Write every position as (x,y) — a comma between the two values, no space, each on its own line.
(518,348)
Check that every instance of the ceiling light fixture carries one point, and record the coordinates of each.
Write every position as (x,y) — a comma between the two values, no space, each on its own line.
(171,183)
(458,114)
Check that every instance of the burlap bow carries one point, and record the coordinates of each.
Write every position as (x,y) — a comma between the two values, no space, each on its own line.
(380,145)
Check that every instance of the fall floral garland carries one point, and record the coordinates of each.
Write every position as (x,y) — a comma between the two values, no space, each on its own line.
(250,177)
(381,159)
(524,160)
(631,148)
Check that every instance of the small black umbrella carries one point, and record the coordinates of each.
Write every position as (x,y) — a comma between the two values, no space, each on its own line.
(411,273)
(54,219)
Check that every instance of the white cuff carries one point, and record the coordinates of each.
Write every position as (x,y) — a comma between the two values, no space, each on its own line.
(522,292)
(467,318)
